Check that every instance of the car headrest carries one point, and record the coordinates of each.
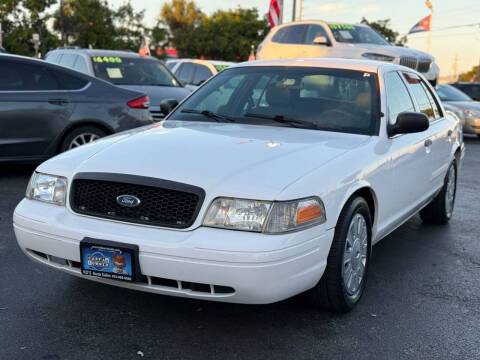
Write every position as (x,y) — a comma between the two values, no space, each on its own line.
(278,94)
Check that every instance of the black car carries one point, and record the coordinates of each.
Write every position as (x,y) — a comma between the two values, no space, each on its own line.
(125,69)
(471,89)
(46,109)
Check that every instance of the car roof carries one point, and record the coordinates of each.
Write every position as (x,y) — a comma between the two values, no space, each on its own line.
(321,22)
(347,64)
(213,62)
(101,52)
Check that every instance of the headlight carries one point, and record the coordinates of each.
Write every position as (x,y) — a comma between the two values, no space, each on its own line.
(265,216)
(379,57)
(47,188)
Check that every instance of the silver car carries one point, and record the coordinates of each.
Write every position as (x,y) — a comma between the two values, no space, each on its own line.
(467,109)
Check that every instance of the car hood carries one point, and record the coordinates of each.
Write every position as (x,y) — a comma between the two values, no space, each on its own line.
(464,105)
(393,50)
(224,159)
(159,93)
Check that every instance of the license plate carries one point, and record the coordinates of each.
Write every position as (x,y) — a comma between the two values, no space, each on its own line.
(109,260)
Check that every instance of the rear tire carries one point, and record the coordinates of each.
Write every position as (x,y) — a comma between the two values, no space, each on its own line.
(343,282)
(440,209)
(81,136)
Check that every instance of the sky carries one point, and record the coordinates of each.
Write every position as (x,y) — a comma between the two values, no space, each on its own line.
(446,44)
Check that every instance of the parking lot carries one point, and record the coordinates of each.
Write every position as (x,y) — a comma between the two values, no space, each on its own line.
(421,301)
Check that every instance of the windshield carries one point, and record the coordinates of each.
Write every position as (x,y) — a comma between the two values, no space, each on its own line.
(132,71)
(354,34)
(304,97)
(449,93)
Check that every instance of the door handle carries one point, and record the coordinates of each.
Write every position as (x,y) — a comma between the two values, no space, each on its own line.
(58,101)
(450,132)
(428,143)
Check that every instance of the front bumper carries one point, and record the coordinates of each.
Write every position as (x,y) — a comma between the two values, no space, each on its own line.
(205,263)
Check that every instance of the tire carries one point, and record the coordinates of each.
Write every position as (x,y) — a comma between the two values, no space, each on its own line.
(81,136)
(335,291)
(440,209)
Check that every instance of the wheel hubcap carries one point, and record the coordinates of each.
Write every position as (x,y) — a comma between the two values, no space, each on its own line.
(83,139)
(355,255)
(450,193)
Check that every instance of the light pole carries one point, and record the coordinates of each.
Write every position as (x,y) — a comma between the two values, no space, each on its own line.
(294,9)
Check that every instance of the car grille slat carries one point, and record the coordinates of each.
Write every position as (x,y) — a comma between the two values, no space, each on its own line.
(175,205)
(424,65)
(409,61)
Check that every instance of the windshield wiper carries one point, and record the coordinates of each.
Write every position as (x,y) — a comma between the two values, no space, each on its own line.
(209,114)
(284,120)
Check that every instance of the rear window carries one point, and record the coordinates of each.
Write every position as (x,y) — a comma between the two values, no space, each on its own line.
(132,71)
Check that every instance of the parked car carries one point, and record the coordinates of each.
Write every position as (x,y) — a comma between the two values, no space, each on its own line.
(471,89)
(126,69)
(463,106)
(281,186)
(46,109)
(193,73)
(314,38)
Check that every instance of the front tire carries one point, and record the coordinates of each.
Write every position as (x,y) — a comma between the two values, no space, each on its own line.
(343,283)
(440,209)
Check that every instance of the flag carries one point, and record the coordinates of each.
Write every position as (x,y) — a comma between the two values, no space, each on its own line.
(144,49)
(422,25)
(252,54)
(429,4)
(275,12)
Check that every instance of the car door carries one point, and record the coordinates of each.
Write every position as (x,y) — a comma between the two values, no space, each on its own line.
(287,42)
(202,73)
(309,48)
(404,184)
(439,132)
(33,109)
(185,74)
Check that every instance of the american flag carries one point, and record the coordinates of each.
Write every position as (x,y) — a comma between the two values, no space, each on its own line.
(422,25)
(275,12)
(144,49)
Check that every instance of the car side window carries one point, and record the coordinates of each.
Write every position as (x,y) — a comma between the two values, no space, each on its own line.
(202,73)
(398,98)
(68,60)
(425,100)
(81,65)
(314,31)
(22,76)
(67,81)
(293,34)
(185,72)
(53,58)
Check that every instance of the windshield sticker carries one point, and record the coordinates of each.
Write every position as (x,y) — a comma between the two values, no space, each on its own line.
(346,34)
(221,67)
(106,59)
(341,27)
(114,73)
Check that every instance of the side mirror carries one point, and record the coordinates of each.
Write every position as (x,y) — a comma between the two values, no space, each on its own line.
(408,123)
(320,40)
(167,105)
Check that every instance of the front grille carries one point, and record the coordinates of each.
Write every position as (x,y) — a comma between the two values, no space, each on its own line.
(162,203)
(424,65)
(409,61)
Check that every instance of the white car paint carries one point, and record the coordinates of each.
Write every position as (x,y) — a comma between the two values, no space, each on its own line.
(212,66)
(273,50)
(252,162)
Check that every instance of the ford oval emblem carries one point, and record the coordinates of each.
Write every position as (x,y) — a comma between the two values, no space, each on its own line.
(128,200)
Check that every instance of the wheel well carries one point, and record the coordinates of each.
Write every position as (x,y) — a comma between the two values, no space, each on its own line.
(71,128)
(457,156)
(369,196)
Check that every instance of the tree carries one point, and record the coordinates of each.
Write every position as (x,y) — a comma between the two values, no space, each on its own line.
(469,75)
(383,28)
(89,22)
(20,20)
(226,35)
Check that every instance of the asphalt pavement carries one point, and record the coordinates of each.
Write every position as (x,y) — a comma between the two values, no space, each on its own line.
(422,302)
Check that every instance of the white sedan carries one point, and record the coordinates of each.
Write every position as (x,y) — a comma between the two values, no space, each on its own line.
(272,179)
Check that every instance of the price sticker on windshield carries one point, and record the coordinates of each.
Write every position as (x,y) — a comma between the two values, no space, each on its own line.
(341,27)
(107,59)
